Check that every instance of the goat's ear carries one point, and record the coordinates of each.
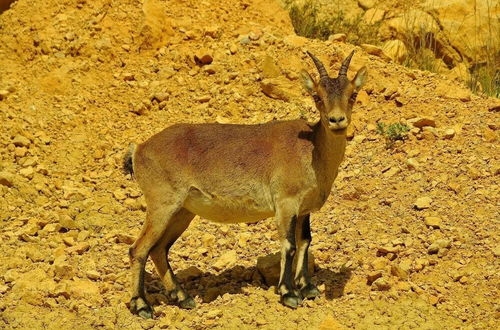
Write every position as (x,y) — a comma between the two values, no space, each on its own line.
(360,78)
(308,82)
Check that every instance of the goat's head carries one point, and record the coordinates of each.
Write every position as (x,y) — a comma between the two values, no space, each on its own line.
(334,97)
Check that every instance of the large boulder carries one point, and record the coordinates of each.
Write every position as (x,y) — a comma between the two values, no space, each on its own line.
(471,26)
(396,50)
(419,29)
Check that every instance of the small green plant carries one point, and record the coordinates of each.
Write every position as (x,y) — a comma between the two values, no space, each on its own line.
(393,132)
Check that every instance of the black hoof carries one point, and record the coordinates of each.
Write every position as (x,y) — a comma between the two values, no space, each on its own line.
(187,303)
(146,313)
(310,291)
(140,307)
(290,300)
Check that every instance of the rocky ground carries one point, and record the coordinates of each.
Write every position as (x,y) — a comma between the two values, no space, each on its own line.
(409,237)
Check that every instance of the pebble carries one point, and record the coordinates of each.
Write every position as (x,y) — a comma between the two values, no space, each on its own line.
(383,250)
(449,134)
(373,276)
(62,268)
(433,222)
(443,243)
(261,321)
(366,4)
(379,263)
(93,275)
(203,57)
(79,248)
(438,245)
(119,194)
(10,275)
(215,313)
(403,286)
(496,251)
(330,323)
(27,172)
(3,94)
(255,35)
(294,40)
(203,98)
(161,96)
(433,300)
(210,69)
(52,227)
(275,89)
(412,163)
(189,274)
(6,179)
(20,152)
(269,67)
(124,238)
(207,239)
(244,39)
(375,50)
(225,261)
(363,98)
(21,141)
(359,138)
(128,76)
(381,284)
(338,37)
(65,221)
(392,171)
(69,241)
(3,288)
(399,272)
(212,31)
(423,203)
(421,122)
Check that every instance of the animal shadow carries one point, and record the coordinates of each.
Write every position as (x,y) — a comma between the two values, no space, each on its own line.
(209,286)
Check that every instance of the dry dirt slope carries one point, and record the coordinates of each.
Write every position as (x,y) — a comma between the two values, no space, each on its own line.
(81,79)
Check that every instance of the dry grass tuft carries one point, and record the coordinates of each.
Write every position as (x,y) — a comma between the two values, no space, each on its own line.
(307,22)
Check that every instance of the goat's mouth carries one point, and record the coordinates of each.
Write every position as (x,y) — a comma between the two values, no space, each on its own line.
(338,127)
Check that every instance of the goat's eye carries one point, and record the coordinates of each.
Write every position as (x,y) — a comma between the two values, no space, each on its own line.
(353,97)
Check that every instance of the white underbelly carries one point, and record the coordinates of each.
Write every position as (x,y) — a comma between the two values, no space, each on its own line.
(228,209)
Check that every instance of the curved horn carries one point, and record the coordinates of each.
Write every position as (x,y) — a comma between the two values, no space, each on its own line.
(319,66)
(345,65)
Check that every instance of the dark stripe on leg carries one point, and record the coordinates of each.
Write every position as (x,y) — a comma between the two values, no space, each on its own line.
(289,254)
(306,228)
(306,237)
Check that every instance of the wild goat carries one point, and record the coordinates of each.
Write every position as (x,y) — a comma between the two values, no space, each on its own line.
(242,173)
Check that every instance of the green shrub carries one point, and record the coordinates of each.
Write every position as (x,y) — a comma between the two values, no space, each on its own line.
(393,132)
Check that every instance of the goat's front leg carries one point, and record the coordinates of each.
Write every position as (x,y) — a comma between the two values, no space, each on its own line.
(286,229)
(302,276)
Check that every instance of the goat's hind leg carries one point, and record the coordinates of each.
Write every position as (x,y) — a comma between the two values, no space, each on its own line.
(157,218)
(302,276)
(176,226)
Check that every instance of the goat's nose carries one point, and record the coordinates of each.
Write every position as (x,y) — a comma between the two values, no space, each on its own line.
(337,119)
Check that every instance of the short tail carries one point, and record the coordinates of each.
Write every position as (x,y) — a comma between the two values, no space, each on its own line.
(128,160)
